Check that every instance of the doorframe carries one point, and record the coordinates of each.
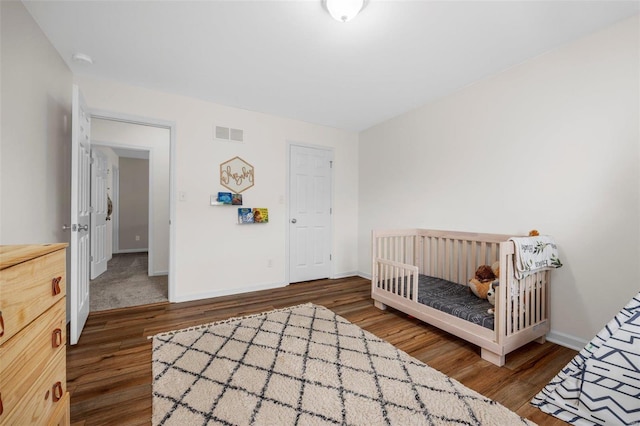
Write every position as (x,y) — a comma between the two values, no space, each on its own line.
(287,253)
(171,126)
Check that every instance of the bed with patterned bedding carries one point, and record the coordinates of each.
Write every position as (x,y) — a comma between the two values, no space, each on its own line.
(454,299)
(424,273)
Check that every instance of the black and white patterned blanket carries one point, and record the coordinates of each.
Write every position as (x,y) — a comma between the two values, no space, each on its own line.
(601,385)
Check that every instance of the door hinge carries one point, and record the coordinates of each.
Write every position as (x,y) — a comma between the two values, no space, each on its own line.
(91,258)
(331,164)
(330,257)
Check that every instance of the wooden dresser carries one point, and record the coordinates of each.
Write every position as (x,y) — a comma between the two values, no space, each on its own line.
(33,335)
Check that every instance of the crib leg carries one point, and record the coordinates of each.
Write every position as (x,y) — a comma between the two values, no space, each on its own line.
(541,339)
(492,357)
(380,305)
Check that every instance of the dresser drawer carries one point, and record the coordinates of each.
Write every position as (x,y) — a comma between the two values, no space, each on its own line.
(25,356)
(43,397)
(62,415)
(28,289)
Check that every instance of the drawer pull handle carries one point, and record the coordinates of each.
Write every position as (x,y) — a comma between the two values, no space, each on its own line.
(1,407)
(55,285)
(1,329)
(56,338)
(57,392)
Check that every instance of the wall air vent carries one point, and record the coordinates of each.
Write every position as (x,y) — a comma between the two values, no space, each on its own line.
(222,133)
(237,135)
(229,134)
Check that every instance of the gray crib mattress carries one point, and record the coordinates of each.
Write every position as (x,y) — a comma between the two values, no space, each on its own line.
(454,299)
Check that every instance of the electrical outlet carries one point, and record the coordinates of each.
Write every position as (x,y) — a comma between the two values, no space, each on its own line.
(269,263)
(137,237)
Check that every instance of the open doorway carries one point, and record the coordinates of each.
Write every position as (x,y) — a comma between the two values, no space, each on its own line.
(138,191)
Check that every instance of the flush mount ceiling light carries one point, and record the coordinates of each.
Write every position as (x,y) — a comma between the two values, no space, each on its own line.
(344,10)
(81,58)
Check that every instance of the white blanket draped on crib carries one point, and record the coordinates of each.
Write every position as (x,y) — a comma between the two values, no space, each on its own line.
(534,254)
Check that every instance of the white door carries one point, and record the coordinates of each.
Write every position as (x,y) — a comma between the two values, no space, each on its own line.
(99,253)
(80,212)
(309,213)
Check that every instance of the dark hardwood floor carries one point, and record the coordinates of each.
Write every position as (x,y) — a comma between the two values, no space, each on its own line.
(109,370)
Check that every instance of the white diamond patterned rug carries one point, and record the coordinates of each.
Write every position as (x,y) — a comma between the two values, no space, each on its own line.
(304,365)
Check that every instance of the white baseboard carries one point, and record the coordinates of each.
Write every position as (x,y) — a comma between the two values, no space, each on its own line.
(158,273)
(344,275)
(364,275)
(141,250)
(566,340)
(226,292)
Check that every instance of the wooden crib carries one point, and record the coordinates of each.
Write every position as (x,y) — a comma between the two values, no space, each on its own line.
(399,257)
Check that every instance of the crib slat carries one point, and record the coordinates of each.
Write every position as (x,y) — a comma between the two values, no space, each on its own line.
(527,304)
(417,254)
(543,299)
(456,255)
(446,260)
(511,314)
(521,302)
(539,301)
(472,266)
(434,259)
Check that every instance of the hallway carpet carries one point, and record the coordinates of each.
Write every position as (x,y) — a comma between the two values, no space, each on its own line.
(126,283)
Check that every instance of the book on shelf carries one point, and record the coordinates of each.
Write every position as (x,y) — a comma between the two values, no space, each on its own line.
(260,215)
(224,197)
(245,215)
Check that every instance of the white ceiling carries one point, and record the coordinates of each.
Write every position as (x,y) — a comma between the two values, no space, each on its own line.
(289,58)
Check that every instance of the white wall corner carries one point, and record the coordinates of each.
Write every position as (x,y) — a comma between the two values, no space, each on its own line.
(364,275)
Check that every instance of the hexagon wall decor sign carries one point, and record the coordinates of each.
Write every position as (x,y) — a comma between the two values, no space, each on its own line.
(236,175)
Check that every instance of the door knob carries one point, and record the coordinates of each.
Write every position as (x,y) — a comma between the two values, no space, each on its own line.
(83,228)
(67,227)
(293,220)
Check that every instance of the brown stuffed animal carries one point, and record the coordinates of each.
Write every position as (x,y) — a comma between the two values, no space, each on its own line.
(481,282)
(495,267)
(485,273)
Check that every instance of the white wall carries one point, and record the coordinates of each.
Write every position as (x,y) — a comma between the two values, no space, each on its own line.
(551,144)
(156,140)
(35,136)
(214,255)
(134,205)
